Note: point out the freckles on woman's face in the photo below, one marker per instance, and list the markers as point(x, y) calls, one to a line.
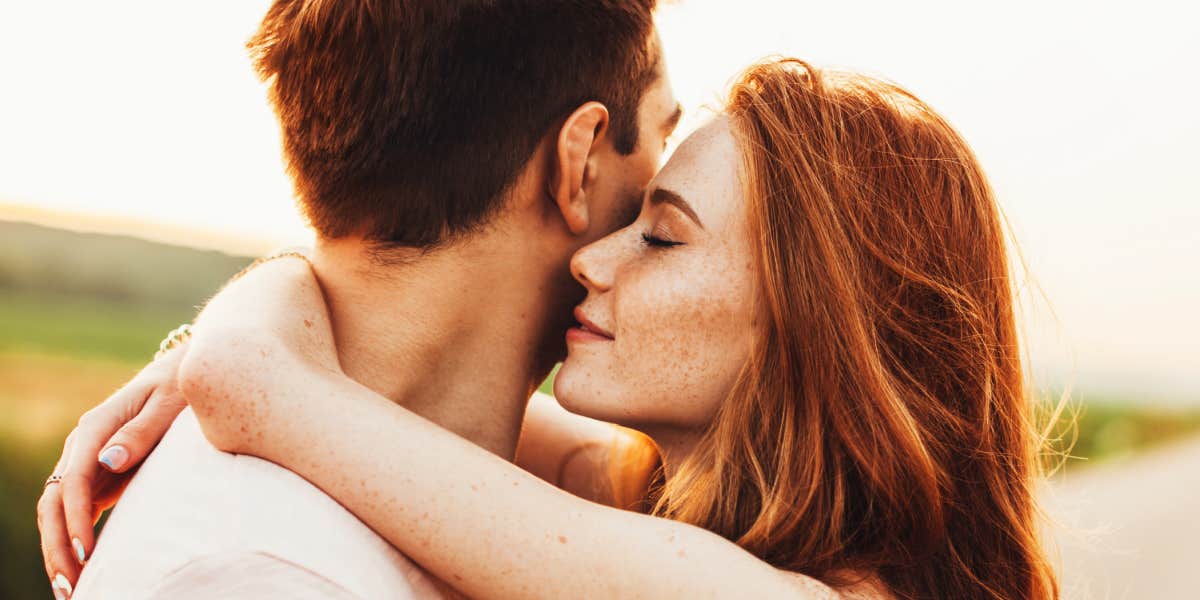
point(670, 314)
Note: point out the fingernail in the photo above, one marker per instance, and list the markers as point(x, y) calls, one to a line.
point(61, 583)
point(79, 553)
point(58, 594)
point(114, 457)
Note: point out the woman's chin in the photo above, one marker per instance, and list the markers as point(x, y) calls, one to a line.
point(576, 391)
point(566, 389)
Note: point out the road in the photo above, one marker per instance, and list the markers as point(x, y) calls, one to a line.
point(1129, 529)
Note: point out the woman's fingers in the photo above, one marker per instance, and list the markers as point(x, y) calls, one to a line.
point(79, 475)
point(142, 430)
point(131, 443)
point(76, 489)
point(56, 550)
point(62, 570)
point(68, 509)
point(79, 513)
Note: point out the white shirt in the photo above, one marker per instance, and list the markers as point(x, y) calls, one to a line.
point(199, 523)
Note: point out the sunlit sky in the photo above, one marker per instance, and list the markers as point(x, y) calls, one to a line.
point(1083, 113)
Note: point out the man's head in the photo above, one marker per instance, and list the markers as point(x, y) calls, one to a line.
point(405, 123)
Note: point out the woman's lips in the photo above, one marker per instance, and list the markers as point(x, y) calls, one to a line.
point(587, 330)
point(580, 334)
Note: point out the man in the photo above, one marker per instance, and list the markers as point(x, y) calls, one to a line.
point(451, 156)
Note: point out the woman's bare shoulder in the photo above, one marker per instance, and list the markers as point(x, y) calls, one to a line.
point(807, 587)
point(867, 588)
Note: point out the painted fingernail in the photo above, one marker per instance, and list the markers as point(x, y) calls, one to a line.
point(79, 553)
point(58, 594)
point(114, 457)
point(61, 583)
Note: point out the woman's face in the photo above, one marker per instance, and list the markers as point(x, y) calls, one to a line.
point(669, 317)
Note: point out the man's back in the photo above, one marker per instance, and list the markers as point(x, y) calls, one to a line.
point(200, 523)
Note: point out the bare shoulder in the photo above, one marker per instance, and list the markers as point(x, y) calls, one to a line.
point(868, 588)
point(807, 587)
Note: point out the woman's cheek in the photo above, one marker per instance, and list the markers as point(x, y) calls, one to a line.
point(685, 350)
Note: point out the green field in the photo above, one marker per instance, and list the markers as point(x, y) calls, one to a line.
point(81, 313)
point(1103, 428)
point(52, 368)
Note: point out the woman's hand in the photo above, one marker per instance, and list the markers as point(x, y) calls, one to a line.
point(99, 458)
point(277, 305)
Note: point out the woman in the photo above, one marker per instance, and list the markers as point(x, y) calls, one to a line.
point(811, 319)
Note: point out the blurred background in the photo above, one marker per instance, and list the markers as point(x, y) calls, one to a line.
point(140, 167)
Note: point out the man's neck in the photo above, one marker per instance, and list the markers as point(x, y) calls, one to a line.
point(456, 335)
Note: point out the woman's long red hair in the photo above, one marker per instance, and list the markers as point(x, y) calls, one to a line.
point(882, 424)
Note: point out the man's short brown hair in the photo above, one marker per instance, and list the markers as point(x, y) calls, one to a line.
point(406, 121)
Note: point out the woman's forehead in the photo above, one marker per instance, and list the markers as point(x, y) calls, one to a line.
point(704, 170)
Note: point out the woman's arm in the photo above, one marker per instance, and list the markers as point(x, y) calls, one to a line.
point(113, 438)
point(280, 303)
point(594, 460)
point(482, 524)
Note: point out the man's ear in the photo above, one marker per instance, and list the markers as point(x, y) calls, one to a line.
point(574, 166)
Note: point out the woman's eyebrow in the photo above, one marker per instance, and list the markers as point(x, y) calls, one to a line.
point(665, 196)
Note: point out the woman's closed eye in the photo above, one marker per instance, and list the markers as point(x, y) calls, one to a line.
point(654, 241)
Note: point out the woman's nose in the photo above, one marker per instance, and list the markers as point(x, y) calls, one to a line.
point(595, 264)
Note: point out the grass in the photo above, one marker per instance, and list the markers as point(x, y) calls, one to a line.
point(41, 397)
point(60, 354)
point(1107, 428)
point(79, 315)
point(547, 386)
point(84, 326)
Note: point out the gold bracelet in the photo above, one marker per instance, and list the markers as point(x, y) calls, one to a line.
point(178, 337)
